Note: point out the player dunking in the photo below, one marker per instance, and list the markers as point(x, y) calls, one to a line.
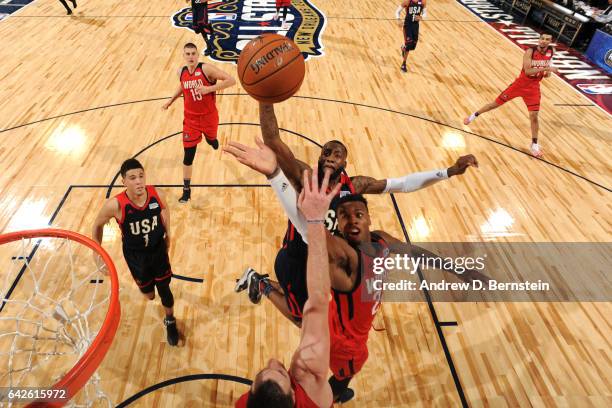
point(415, 12)
point(201, 25)
point(144, 219)
point(289, 294)
point(304, 385)
point(199, 83)
point(536, 65)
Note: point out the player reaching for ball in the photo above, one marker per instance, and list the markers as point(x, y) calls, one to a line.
point(304, 384)
point(199, 83)
point(415, 13)
point(289, 294)
point(536, 65)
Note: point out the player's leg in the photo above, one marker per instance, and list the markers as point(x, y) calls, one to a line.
point(257, 285)
point(535, 127)
point(188, 157)
point(405, 49)
point(285, 10)
point(74, 3)
point(340, 389)
point(207, 34)
point(210, 128)
point(68, 10)
point(159, 265)
point(531, 97)
point(509, 93)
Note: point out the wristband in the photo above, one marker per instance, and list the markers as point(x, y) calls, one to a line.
point(315, 221)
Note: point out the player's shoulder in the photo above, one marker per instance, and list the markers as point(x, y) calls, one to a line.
point(113, 204)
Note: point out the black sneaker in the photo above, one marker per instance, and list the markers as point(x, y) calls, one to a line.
point(172, 334)
point(345, 396)
point(252, 281)
point(186, 195)
point(403, 68)
point(213, 143)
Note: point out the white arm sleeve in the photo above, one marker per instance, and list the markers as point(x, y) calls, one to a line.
point(415, 181)
point(287, 196)
point(424, 13)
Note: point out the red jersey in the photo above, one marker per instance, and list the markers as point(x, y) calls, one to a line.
point(538, 60)
point(351, 313)
point(196, 104)
point(302, 400)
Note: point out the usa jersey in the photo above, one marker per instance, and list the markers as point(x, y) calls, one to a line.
point(415, 8)
point(142, 228)
point(293, 240)
point(538, 60)
point(351, 313)
point(196, 104)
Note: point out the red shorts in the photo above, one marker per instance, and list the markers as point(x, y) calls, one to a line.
point(194, 126)
point(283, 3)
point(345, 358)
point(529, 91)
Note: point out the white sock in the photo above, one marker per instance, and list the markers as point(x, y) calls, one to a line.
point(472, 117)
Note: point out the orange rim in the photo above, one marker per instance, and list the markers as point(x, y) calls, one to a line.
point(80, 373)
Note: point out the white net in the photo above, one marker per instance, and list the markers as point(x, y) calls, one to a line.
point(54, 298)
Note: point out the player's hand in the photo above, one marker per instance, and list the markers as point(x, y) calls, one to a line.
point(203, 90)
point(260, 158)
point(313, 201)
point(167, 105)
point(418, 18)
point(462, 164)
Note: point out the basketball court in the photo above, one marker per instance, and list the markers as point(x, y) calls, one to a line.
point(80, 94)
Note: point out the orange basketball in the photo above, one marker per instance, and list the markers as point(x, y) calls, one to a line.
point(271, 68)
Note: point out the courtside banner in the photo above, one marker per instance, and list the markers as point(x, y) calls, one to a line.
point(574, 68)
point(600, 50)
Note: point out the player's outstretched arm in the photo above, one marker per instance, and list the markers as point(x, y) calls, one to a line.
point(292, 167)
point(412, 182)
point(310, 363)
point(176, 95)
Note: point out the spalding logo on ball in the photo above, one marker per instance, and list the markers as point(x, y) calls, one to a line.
point(271, 68)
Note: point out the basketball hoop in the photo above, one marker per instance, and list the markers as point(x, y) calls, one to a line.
point(49, 318)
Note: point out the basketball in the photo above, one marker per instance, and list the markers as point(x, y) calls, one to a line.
point(271, 68)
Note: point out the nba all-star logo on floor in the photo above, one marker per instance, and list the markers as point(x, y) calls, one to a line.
point(236, 22)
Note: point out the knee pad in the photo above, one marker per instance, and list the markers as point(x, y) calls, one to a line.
point(189, 155)
point(163, 288)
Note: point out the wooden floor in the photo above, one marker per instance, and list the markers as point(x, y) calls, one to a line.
point(102, 74)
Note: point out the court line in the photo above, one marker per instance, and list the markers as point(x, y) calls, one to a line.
point(185, 378)
point(434, 315)
point(177, 133)
point(571, 172)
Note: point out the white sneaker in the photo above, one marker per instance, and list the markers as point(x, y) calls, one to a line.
point(536, 151)
point(469, 119)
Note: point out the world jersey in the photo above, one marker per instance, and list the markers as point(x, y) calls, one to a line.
point(351, 313)
point(196, 104)
point(415, 8)
point(293, 241)
point(538, 60)
point(142, 228)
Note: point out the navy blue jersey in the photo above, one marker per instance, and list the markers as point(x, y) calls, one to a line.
point(293, 241)
point(415, 8)
point(142, 228)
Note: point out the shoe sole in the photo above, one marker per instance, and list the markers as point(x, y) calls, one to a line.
point(243, 282)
